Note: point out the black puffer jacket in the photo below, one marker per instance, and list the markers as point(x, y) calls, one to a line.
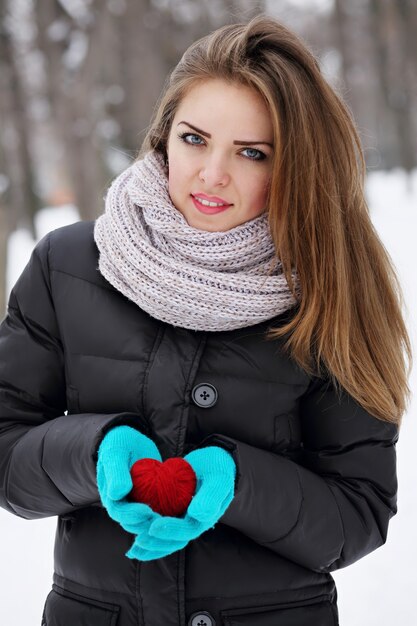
point(316, 476)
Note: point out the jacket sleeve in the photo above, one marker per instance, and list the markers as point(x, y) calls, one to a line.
point(47, 458)
point(328, 506)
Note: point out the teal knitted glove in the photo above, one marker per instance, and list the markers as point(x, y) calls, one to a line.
point(120, 448)
point(215, 470)
point(136, 518)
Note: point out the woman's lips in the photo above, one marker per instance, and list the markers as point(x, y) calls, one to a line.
point(209, 210)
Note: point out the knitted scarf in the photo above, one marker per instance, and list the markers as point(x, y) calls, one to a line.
point(179, 274)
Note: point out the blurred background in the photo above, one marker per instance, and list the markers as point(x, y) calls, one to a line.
point(79, 80)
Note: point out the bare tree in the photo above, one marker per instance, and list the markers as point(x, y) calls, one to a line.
point(17, 163)
point(72, 92)
point(342, 25)
point(404, 100)
point(388, 23)
point(18, 201)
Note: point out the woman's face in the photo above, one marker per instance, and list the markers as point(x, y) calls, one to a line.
point(220, 149)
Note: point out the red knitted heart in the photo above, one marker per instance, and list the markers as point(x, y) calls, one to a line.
point(167, 487)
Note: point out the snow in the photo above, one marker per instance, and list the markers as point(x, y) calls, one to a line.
point(377, 590)
point(21, 242)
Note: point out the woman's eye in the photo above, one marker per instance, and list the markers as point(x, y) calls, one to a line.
point(190, 136)
point(254, 155)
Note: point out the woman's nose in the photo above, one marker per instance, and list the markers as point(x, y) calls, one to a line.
point(214, 172)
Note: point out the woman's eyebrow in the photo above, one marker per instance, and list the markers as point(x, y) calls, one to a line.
point(237, 143)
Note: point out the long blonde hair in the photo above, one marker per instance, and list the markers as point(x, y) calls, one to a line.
point(348, 322)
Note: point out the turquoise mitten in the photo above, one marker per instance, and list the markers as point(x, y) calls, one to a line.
point(120, 448)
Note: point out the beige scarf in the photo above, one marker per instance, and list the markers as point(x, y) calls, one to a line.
point(195, 279)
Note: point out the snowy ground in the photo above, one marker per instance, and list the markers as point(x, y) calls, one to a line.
point(376, 591)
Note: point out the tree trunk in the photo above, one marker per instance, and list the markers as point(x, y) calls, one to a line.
point(72, 95)
point(21, 173)
point(392, 73)
point(343, 44)
point(403, 102)
point(143, 72)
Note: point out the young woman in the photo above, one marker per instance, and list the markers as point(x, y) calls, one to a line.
point(233, 307)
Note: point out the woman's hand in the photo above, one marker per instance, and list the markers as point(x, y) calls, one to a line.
point(120, 448)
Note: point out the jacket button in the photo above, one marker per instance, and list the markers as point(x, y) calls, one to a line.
point(204, 395)
point(201, 618)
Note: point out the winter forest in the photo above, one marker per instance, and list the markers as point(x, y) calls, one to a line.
point(79, 80)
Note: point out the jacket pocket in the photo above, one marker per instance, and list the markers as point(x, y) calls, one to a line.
point(63, 608)
point(317, 611)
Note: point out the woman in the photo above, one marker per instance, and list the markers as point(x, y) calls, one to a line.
point(233, 307)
